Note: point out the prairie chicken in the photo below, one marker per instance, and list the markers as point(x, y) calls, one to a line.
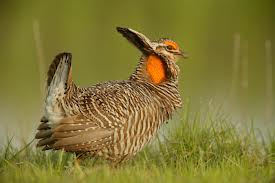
point(115, 119)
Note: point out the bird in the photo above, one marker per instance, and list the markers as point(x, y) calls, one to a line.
point(112, 120)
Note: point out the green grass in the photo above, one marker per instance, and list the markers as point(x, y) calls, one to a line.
point(208, 149)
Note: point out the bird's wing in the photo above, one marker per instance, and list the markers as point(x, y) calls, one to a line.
point(79, 133)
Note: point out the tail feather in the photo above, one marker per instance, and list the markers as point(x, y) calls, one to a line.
point(59, 82)
point(44, 135)
point(43, 126)
point(59, 63)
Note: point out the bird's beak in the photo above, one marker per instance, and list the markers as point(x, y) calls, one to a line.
point(182, 54)
point(138, 39)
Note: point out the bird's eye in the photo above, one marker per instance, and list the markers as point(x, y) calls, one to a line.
point(169, 47)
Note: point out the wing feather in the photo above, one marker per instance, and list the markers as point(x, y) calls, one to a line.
point(78, 133)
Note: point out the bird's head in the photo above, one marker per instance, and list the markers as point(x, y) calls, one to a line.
point(161, 55)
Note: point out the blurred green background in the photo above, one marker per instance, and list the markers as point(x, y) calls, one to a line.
point(212, 32)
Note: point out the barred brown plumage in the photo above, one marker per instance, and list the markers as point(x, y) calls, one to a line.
point(115, 119)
